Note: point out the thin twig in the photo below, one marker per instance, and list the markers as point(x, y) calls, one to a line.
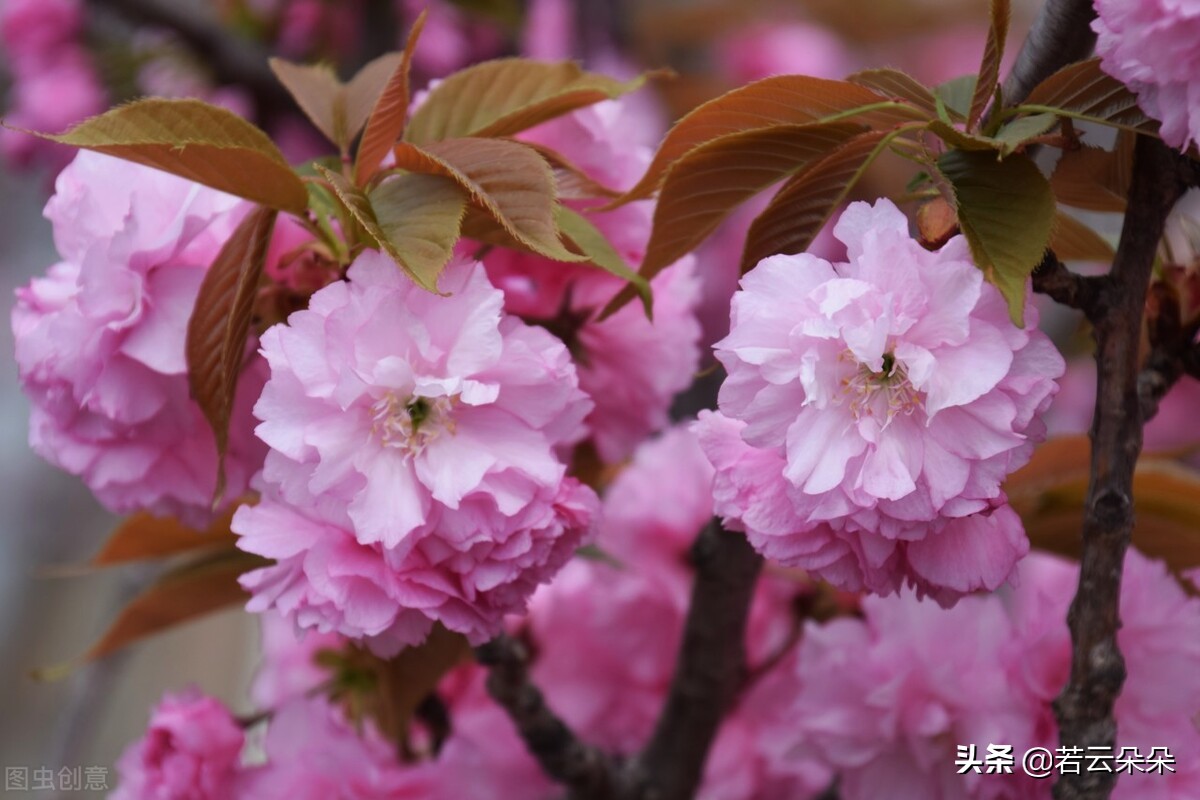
point(585, 770)
point(1085, 706)
point(1052, 278)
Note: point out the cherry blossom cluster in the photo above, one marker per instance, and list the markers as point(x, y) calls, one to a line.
point(872, 409)
point(877, 701)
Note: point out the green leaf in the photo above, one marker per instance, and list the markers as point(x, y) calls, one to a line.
point(185, 593)
point(1018, 132)
point(989, 69)
point(197, 141)
point(1071, 240)
point(386, 122)
point(781, 100)
point(1084, 91)
point(219, 326)
point(922, 178)
point(955, 138)
point(507, 96)
point(508, 180)
point(358, 205)
point(1006, 211)
point(600, 252)
point(899, 86)
point(956, 94)
point(801, 208)
point(712, 179)
point(420, 217)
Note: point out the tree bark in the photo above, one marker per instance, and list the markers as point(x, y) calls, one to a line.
point(1085, 707)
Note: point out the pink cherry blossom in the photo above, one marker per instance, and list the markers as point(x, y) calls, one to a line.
point(608, 634)
point(1150, 45)
point(100, 340)
point(315, 753)
point(872, 409)
point(886, 699)
point(191, 751)
point(413, 462)
point(289, 667)
point(630, 366)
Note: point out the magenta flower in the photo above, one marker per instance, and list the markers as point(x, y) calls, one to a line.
point(1151, 46)
point(100, 340)
point(413, 474)
point(872, 409)
point(191, 751)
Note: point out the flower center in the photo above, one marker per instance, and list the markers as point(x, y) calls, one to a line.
point(881, 395)
point(410, 423)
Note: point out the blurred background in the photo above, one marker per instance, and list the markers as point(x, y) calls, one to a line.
point(64, 60)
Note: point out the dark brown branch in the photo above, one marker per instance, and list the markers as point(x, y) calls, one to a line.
point(585, 770)
point(710, 671)
point(1085, 707)
point(1061, 34)
point(1052, 278)
point(232, 59)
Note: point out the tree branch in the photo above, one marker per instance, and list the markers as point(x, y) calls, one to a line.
point(710, 670)
point(1085, 707)
point(1052, 278)
point(1060, 35)
point(585, 770)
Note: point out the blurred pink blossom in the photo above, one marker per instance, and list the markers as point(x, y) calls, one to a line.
point(1150, 45)
point(886, 699)
point(783, 48)
point(191, 751)
point(288, 668)
point(100, 340)
point(314, 753)
point(1172, 428)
